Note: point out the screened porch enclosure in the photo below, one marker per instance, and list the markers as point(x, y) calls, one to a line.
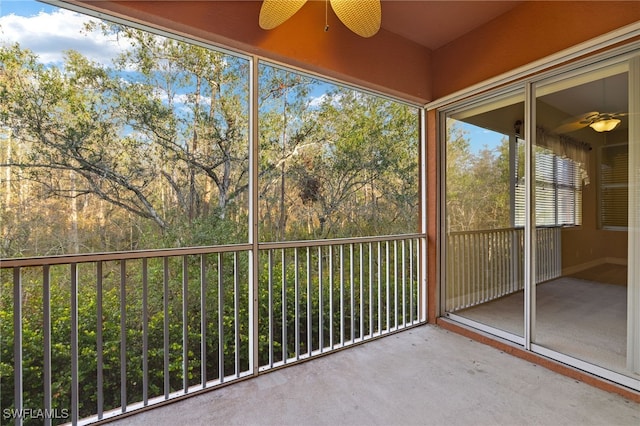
point(176, 217)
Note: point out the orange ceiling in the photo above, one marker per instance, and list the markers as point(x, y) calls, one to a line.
point(436, 23)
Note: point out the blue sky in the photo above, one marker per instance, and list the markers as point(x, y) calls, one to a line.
point(23, 7)
point(481, 138)
point(47, 30)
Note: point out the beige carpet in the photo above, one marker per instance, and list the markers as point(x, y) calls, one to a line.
point(583, 319)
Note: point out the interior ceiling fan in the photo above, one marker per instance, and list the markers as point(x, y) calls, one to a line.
point(363, 17)
point(598, 121)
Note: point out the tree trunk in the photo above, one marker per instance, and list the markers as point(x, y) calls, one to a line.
point(74, 243)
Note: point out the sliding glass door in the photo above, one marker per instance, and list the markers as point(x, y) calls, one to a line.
point(541, 219)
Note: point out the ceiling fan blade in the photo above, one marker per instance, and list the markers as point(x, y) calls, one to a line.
point(570, 127)
point(363, 17)
point(275, 12)
point(578, 122)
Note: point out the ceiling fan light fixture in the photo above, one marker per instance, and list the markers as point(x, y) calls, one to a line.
point(606, 125)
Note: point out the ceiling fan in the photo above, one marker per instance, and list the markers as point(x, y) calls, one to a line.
point(598, 121)
point(363, 17)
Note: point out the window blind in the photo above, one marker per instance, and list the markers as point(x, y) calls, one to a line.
point(614, 186)
point(558, 189)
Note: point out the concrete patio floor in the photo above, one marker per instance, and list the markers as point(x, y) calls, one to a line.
point(423, 376)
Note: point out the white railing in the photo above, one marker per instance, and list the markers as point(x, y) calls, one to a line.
point(487, 264)
point(122, 331)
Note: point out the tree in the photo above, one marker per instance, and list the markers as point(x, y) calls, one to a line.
point(477, 184)
point(162, 135)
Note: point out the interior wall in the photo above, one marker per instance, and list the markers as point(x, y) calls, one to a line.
point(373, 63)
point(588, 245)
point(529, 32)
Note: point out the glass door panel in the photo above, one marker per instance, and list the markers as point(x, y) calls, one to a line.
point(484, 239)
point(580, 164)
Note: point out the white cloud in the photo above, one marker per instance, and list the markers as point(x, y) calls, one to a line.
point(49, 35)
point(318, 100)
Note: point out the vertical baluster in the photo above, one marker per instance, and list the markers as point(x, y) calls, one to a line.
point(450, 288)
point(473, 268)
point(17, 342)
point(165, 324)
point(558, 251)
point(410, 278)
point(460, 271)
point(487, 269)
point(74, 345)
point(547, 254)
point(379, 287)
point(464, 253)
point(236, 310)
point(539, 254)
point(403, 279)
point(296, 308)
point(497, 235)
point(361, 264)
point(512, 262)
point(471, 262)
point(371, 278)
point(508, 250)
point(331, 296)
point(185, 324)
point(539, 258)
point(46, 325)
point(123, 335)
point(309, 316)
point(285, 344)
point(341, 295)
point(99, 341)
point(482, 267)
point(270, 302)
point(421, 277)
point(504, 261)
point(477, 248)
point(203, 320)
point(352, 293)
point(145, 333)
point(387, 287)
point(320, 302)
point(496, 246)
point(396, 293)
point(221, 300)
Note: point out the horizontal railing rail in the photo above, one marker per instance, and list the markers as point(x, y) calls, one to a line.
point(94, 336)
point(483, 265)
